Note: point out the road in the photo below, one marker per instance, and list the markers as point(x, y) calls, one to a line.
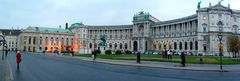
point(39, 67)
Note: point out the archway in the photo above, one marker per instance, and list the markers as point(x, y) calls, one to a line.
point(126, 46)
point(170, 45)
point(120, 46)
point(115, 46)
point(90, 45)
point(175, 45)
point(191, 45)
point(185, 45)
point(110, 45)
point(135, 46)
point(180, 45)
point(165, 45)
point(160, 46)
point(146, 45)
point(196, 45)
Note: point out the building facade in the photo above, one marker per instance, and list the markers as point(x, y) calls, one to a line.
point(45, 39)
point(11, 37)
point(197, 33)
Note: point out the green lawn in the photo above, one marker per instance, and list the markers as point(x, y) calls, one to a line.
point(176, 59)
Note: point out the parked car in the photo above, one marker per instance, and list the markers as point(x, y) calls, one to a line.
point(156, 53)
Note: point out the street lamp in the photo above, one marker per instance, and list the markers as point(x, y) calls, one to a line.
point(220, 36)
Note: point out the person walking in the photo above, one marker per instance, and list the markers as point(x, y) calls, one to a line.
point(139, 57)
point(19, 59)
point(183, 59)
point(168, 54)
point(6, 52)
point(94, 55)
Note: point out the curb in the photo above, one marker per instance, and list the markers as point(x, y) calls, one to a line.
point(142, 65)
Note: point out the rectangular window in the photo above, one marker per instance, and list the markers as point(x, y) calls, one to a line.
point(235, 19)
point(29, 40)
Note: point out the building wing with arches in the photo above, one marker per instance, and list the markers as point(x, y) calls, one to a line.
point(196, 33)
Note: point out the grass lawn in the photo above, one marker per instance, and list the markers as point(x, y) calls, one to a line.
point(176, 59)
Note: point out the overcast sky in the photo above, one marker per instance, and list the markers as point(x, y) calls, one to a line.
point(52, 13)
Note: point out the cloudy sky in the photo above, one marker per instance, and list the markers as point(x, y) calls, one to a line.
point(52, 13)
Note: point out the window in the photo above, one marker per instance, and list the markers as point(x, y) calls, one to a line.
point(220, 16)
point(29, 40)
point(40, 40)
point(196, 45)
point(186, 46)
point(204, 27)
point(180, 45)
point(40, 48)
point(25, 37)
point(235, 19)
point(126, 46)
point(34, 40)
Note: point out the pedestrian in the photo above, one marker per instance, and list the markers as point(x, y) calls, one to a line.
point(165, 54)
point(94, 55)
point(139, 57)
point(183, 59)
point(6, 52)
point(171, 54)
point(168, 54)
point(19, 59)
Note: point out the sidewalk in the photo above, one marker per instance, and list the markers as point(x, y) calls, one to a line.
point(5, 70)
point(165, 65)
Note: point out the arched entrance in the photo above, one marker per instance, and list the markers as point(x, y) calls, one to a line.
point(135, 46)
point(180, 45)
point(191, 45)
point(146, 46)
point(175, 45)
point(165, 45)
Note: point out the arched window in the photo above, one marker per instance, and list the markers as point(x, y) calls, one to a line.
point(175, 45)
point(180, 45)
point(185, 45)
point(115, 46)
point(160, 46)
point(196, 45)
point(204, 27)
point(191, 45)
point(90, 45)
point(126, 46)
point(120, 46)
point(95, 45)
point(110, 45)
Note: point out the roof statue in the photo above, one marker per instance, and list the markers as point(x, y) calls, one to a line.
point(199, 5)
point(220, 2)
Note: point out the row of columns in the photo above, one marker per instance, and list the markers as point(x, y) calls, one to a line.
point(181, 28)
point(125, 33)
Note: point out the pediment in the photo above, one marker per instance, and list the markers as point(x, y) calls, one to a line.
point(219, 7)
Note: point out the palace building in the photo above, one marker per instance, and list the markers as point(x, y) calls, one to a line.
point(197, 33)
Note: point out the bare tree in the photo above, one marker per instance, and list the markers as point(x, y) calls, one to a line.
point(233, 45)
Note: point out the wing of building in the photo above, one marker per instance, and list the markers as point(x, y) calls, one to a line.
point(197, 33)
point(11, 37)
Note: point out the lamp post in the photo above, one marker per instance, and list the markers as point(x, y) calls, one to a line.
point(220, 36)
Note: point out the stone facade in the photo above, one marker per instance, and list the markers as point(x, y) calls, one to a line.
point(195, 33)
point(11, 37)
point(40, 39)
